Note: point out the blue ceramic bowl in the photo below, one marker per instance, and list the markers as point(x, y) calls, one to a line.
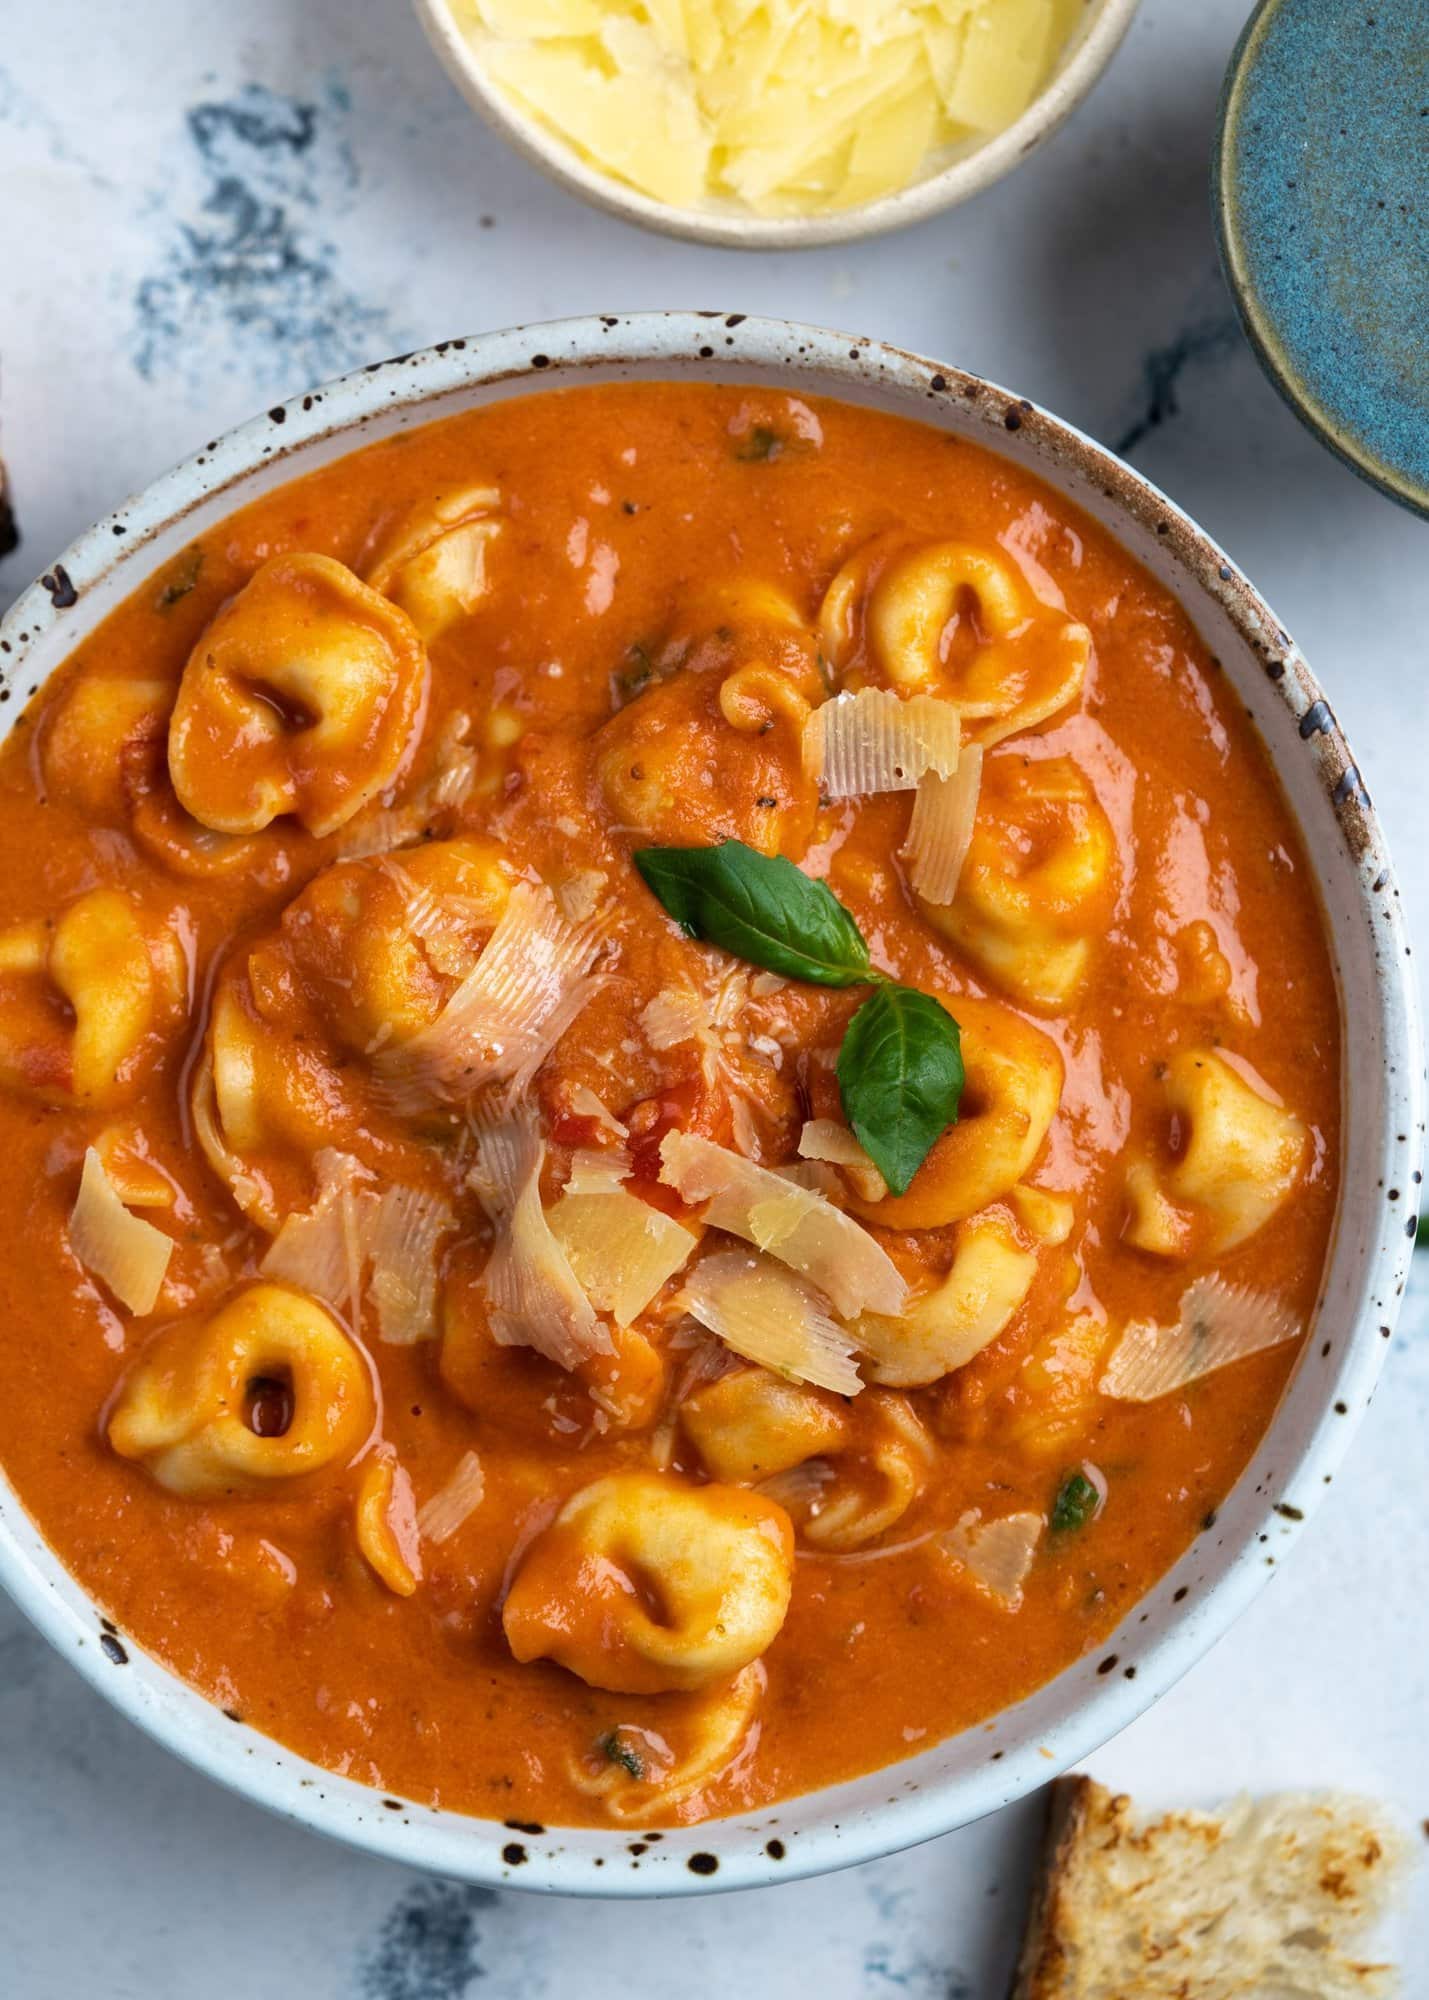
point(1322, 205)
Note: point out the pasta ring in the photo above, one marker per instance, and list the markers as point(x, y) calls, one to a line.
point(305, 695)
point(189, 1408)
point(433, 564)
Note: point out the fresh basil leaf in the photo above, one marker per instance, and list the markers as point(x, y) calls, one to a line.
point(1077, 1502)
point(901, 1076)
point(761, 908)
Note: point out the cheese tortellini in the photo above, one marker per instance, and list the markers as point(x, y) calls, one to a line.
point(1038, 881)
point(85, 999)
point(956, 619)
point(266, 1389)
point(752, 1424)
point(433, 563)
point(1012, 1087)
point(643, 1584)
point(985, 1286)
point(382, 941)
point(1231, 1157)
point(710, 749)
point(304, 696)
point(103, 727)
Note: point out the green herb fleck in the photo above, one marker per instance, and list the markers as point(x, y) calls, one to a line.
point(759, 445)
point(760, 907)
point(1078, 1501)
point(183, 574)
point(900, 1076)
point(615, 1751)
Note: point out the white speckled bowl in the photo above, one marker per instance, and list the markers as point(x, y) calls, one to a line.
point(1191, 1606)
point(1090, 49)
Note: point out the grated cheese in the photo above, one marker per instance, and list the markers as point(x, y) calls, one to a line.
point(782, 107)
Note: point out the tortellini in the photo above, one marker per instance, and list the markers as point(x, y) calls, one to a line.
point(1012, 1087)
point(752, 1424)
point(266, 1389)
point(83, 1000)
point(1037, 884)
point(433, 563)
point(643, 1584)
point(104, 725)
point(382, 941)
point(712, 751)
point(985, 1286)
point(1231, 1157)
point(304, 696)
point(1052, 1404)
point(957, 619)
point(877, 1480)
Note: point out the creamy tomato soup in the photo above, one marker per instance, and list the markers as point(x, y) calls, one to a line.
point(669, 1105)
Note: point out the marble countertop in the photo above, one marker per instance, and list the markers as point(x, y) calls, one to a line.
point(205, 208)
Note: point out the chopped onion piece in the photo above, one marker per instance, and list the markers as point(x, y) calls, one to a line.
point(406, 1228)
point(129, 1254)
point(796, 1225)
point(534, 1296)
point(941, 829)
point(768, 1315)
point(996, 1554)
point(876, 741)
point(452, 1505)
point(506, 1015)
point(825, 1139)
point(598, 1170)
point(1219, 1323)
point(621, 1249)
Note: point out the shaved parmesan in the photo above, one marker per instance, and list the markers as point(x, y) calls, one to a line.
point(941, 829)
point(769, 1316)
point(621, 1249)
point(794, 1224)
point(442, 922)
point(452, 1505)
point(129, 1254)
point(996, 1554)
point(579, 895)
point(535, 1298)
point(876, 741)
point(505, 1016)
point(451, 783)
point(1219, 1323)
point(800, 1489)
point(406, 1228)
point(321, 1250)
point(385, 1523)
point(586, 1104)
point(598, 1170)
point(676, 1014)
point(825, 1139)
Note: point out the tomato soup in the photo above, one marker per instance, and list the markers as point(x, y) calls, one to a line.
point(669, 1090)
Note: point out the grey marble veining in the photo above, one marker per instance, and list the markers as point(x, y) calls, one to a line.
point(204, 209)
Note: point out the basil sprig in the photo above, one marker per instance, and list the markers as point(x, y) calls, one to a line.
point(900, 1068)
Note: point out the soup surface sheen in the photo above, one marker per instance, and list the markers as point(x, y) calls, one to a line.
point(412, 1446)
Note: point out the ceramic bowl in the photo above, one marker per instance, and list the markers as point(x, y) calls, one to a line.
point(1189, 1608)
point(1090, 49)
point(1321, 184)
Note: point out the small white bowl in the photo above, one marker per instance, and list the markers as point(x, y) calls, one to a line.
point(1087, 54)
point(1185, 1611)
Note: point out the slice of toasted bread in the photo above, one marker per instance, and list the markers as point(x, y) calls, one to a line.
point(1264, 1901)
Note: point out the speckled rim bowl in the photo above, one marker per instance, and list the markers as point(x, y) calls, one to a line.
point(1091, 48)
point(1192, 1605)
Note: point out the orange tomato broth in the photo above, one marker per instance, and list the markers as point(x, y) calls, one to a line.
point(622, 505)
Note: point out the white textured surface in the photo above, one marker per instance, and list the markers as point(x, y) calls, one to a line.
point(202, 209)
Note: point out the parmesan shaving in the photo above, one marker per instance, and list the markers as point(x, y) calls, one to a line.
point(621, 1249)
point(579, 895)
point(770, 1316)
point(941, 829)
point(876, 741)
point(321, 1250)
point(586, 1104)
point(598, 1170)
point(505, 1016)
point(451, 783)
point(535, 1298)
point(452, 1505)
point(801, 1488)
point(1219, 1323)
point(794, 1224)
point(676, 1014)
point(825, 1139)
point(996, 1554)
point(406, 1228)
point(129, 1254)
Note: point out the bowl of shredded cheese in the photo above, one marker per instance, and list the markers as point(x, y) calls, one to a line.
point(770, 124)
